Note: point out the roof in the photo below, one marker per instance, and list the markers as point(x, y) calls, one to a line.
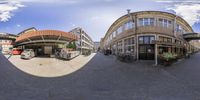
point(29, 29)
point(40, 33)
point(7, 36)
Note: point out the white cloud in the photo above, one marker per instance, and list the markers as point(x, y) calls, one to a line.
point(18, 25)
point(8, 6)
point(52, 1)
point(191, 12)
point(188, 9)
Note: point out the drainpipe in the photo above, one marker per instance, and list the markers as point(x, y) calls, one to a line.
point(134, 30)
point(175, 25)
point(156, 52)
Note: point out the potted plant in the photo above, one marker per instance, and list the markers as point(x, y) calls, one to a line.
point(168, 58)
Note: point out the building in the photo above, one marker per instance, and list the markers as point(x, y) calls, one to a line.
point(148, 34)
point(44, 42)
point(101, 44)
point(6, 42)
point(96, 46)
point(85, 43)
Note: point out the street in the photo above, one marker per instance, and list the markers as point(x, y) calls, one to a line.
point(105, 78)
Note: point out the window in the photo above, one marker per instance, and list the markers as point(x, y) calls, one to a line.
point(141, 21)
point(128, 25)
point(152, 38)
point(169, 40)
point(161, 38)
point(146, 22)
point(110, 37)
point(179, 28)
point(114, 34)
point(119, 46)
point(129, 45)
point(165, 39)
point(133, 41)
point(140, 40)
point(165, 23)
point(160, 22)
point(146, 39)
point(151, 21)
point(119, 30)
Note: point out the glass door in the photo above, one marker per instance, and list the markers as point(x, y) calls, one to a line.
point(146, 48)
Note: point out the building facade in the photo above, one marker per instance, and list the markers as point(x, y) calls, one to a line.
point(6, 42)
point(148, 34)
point(85, 43)
point(96, 46)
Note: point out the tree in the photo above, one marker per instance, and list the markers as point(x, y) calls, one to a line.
point(72, 45)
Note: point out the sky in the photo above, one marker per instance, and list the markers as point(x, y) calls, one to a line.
point(94, 16)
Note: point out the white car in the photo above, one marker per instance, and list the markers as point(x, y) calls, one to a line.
point(28, 54)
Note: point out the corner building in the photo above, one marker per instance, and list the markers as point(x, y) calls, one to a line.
point(148, 34)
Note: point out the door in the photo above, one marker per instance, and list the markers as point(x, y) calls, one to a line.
point(146, 52)
point(146, 47)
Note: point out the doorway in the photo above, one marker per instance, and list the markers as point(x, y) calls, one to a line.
point(146, 48)
point(146, 52)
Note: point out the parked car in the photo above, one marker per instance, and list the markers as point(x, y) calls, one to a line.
point(16, 51)
point(28, 54)
point(107, 52)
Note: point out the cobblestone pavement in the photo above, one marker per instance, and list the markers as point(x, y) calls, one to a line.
point(105, 78)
